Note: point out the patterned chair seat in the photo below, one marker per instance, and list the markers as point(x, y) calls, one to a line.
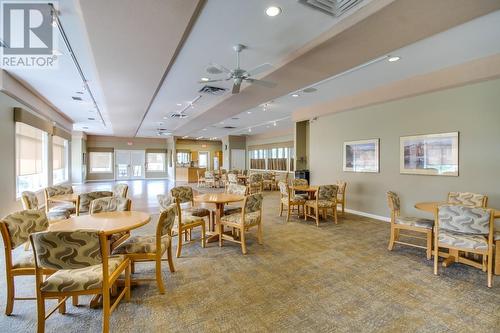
point(455, 239)
point(321, 203)
point(250, 218)
point(56, 214)
point(415, 222)
point(297, 199)
point(197, 211)
point(26, 260)
point(230, 209)
point(70, 208)
point(189, 219)
point(79, 279)
point(141, 244)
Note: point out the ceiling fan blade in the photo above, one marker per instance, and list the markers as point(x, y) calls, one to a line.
point(217, 69)
point(262, 83)
point(236, 86)
point(260, 69)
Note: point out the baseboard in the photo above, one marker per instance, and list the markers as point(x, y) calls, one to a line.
point(372, 216)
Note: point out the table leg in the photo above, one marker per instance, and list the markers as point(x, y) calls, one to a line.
point(219, 208)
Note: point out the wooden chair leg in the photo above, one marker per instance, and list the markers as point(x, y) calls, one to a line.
point(281, 209)
point(9, 307)
point(391, 240)
point(170, 259)
point(288, 212)
point(203, 235)
point(316, 211)
point(159, 279)
point(243, 243)
point(436, 255)
point(259, 233)
point(132, 267)
point(127, 282)
point(429, 245)
point(497, 257)
point(221, 231)
point(179, 244)
point(106, 311)
point(490, 268)
point(62, 307)
point(343, 208)
point(74, 300)
point(40, 307)
point(306, 213)
point(335, 215)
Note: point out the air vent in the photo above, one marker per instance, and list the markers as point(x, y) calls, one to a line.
point(229, 127)
point(235, 118)
point(331, 7)
point(178, 115)
point(211, 90)
point(310, 90)
point(76, 98)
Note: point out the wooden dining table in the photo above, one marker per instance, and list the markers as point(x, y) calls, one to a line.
point(453, 255)
point(310, 189)
point(219, 200)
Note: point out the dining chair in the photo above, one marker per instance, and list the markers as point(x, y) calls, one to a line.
point(185, 223)
point(250, 216)
point(112, 204)
point(288, 200)
point(210, 179)
point(201, 177)
point(465, 228)
point(30, 201)
point(409, 223)
point(82, 267)
point(185, 197)
point(268, 180)
point(238, 190)
point(16, 229)
point(255, 183)
point(468, 199)
point(300, 182)
point(497, 248)
point(341, 195)
point(51, 191)
point(83, 201)
point(232, 178)
point(326, 198)
point(120, 190)
point(152, 247)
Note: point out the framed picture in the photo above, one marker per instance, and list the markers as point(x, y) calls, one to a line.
point(431, 154)
point(361, 156)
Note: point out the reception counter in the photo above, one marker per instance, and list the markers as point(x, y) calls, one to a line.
point(187, 174)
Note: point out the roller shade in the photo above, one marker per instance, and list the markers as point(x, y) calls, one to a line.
point(58, 153)
point(287, 144)
point(29, 150)
point(28, 118)
point(61, 133)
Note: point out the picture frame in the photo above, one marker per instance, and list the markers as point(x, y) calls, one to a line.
point(361, 156)
point(430, 154)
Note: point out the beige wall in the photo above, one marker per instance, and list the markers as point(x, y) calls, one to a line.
point(473, 110)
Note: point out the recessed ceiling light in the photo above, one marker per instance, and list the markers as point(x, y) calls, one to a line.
point(204, 129)
point(222, 123)
point(393, 58)
point(273, 11)
point(179, 104)
point(165, 117)
point(250, 130)
point(295, 95)
point(249, 112)
point(205, 79)
point(274, 124)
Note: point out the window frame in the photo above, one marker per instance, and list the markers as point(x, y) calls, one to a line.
point(164, 169)
point(111, 171)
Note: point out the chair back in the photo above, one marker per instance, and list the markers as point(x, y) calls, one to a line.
point(232, 178)
point(282, 177)
point(58, 190)
point(253, 203)
point(120, 190)
point(284, 189)
point(327, 192)
point(236, 189)
point(342, 186)
point(267, 176)
point(17, 227)
point(182, 194)
point(166, 221)
point(200, 174)
point(85, 199)
point(393, 202)
point(223, 171)
point(66, 249)
point(29, 200)
point(464, 219)
point(209, 174)
point(468, 199)
point(245, 172)
point(164, 201)
point(255, 178)
point(300, 182)
point(110, 204)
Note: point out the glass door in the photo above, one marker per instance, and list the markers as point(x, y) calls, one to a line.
point(137, 164)
point(130, 164)
point(122, 166)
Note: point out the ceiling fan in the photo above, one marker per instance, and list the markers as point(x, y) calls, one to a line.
point(238, 75)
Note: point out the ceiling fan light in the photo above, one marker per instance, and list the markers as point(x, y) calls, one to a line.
point(273, 11)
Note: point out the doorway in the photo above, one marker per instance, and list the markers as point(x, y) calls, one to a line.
point(130, 164)
point(204, 160)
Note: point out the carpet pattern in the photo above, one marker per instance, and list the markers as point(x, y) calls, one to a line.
point(335, 278)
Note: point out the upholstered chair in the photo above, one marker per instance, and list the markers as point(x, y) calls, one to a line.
point(281, 177)
point(288, 200)
point(250, 216)
point(58, 190)
point(210, 179)
point(165, 200)
point(184, 196)
point(152, 247)
point(268, 180)
point(341, 195)
point(300, 182)
point(185, 223)
point(234, 189)
point(30, 201)
point(467, 229)
point(16, 229)
point(84, 200)
point(468, 199)
point(82, 266)
point(201, 177)
point(120, 190)
point(232, 178)
point(223, 179)
point(255, 183)
point(407, 223)
point(112, 204)
point(326, 198)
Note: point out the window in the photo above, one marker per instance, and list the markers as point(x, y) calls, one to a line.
point(183, 157)
point(292, 156)
point(258, 159)
point(155, 162)
point(100, 162)
point(59, 160)
point(273, 159)
point(31, 158)
point(277, 159)
point(203, 160)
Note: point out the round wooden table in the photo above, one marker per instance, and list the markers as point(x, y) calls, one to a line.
point(219, 200)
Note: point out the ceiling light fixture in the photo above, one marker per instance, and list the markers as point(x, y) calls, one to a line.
point(274, 124)
point(205, 79)
point(204, 129)
point(250, 130)
point(179, 104)
point(249, 112)
point(295, 95)
point(273, 11)
point(393, 58)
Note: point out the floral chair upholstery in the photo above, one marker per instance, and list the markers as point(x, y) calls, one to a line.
point(268, 180)
point(164, 201)
point(58, 190)
point(250, 216)
point(468, 199)
point(30, 201)
point(465, 228)
point(21, 224)
point(300, 182)
point(341, 195)
point(112, 204)
point(289, 200)
point(395, 206)
point(234, 189)
point(210, 179)
point(255, 183)
point(232, 178)
point(184, 195)
point(326, 198)
point(79, 259)
point(85, 199)
point(120, 190)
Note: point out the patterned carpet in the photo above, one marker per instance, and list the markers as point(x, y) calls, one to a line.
point(336, 278)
